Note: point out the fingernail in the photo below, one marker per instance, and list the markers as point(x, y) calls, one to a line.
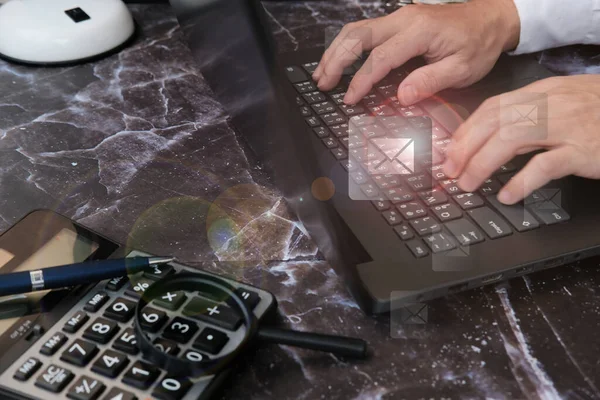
point(450, 168)
point(409, 95)
point(505, 197)
point(467, 182)
point(316, 75)
point(349, 97)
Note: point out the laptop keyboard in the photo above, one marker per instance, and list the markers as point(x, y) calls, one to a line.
point(426, 209)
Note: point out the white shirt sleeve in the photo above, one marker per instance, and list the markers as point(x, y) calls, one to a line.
point(554, 23)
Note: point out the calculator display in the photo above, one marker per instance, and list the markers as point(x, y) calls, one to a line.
point(66, 247)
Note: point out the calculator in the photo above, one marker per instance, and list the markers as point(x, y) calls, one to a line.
point(80, 343)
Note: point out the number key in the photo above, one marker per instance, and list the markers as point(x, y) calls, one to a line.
point(153, 319)
point(127, 342)
point(110, 364)
point(79, 353)
point(425, 226)
point(180, 330)
point(141, 375)
point(412, 209)
point(101, 330)
point(166, 346)
point(172, 388)
point(120, 310)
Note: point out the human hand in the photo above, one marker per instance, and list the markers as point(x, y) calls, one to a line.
point(461, 43)
point(568, 131)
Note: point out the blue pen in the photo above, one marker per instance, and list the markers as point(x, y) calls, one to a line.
point(74, 274)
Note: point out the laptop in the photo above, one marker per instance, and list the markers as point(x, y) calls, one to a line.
point(366, 181)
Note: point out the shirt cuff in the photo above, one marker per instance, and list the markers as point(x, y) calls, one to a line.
point(554, 23)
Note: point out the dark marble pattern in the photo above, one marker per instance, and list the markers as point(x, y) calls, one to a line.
point(135, 147)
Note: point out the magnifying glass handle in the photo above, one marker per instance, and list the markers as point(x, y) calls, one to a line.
point(339, 345)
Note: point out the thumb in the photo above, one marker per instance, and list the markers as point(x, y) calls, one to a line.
point(430, 79)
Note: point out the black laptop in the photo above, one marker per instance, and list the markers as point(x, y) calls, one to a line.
point(366, 181)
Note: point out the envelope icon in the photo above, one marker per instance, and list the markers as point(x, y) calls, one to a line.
point(397, 151)
point(525, 114)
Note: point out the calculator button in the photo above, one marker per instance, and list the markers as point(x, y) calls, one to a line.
point(127, 342)
point(120, 310)
point(166, 346)
point(194, 356)
point(86, 388)
point(211, 340)
point(211, 312)
point(101, 330)
point(159, 271)
point(54, 378)
point(96, 302)
point(79, 353)
point(110, 364)
point(249, 297)
point(116, 283)
point(136, 288)
point(141, 375)
point(53, 344)
point(119, 394)
point(28, 368)
point(76, 322)
point(180, 330)
point(171, 300)
point(171, 388)
point(153, 319)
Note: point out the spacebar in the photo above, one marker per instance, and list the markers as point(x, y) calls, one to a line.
point(443, 114)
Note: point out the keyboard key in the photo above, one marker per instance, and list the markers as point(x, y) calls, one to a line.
point(53, 344)
point(359, 177)
point(451, 187)
point(54, 378)
point(382, 110)
point(314, 97)
point(508, 167)
point(310, 67)
point(171, 300)
point(447, 212)
point(338, 98)
point(86, 388)
point(157, 272)
point(211, 312)
point(425, 226)
point(324, 107)
point(119, 394)
point(127, 342)
point(352, 110)
point(141, 375)
point(116, 283)
point(304, 87)
point(440, 242)
point(491, 223)
point(412, 209)
point(79, 353)
point(96, 302)
point(299, 101)
point(373, 131)
point(549, 213)
point(467, 201)
point(372, 99)
point(249, 297)
point(211, 341)
point(120, 310)
point(339, 153)
point(349, 165)
point(433, 197)
point(27, 369)
point(137, 287)
point(411, 111)
point(172, 388)
point(359, 121)
point(392, 217)
point(295, 74)
point(305, 111)
point(392, 122)
point(330, 143)
point(166, 346)
point(422, 123)
point(76, 322)
point(321, 132)
point(110, 364)
point(313, 121)
point(516, 214)
point(490, 186)
point(398, 195)
point(369, 189)
point(464, 231)
point(417, 248)
point(153, 319)
point(333, 118)
point(437, 172)
point(194, 356)
point(101, 330)
point(404, 232)
point(534, 197)
point(180, 329)
point(341, 130)
point(504, 178)
point(381, 205)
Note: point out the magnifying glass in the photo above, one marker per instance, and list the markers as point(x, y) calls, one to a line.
point(214, 287)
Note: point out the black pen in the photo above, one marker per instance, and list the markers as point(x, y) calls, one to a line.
point(74, 274)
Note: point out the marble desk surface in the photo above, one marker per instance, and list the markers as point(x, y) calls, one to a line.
point(135, 147)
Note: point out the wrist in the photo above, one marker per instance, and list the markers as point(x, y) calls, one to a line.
point(511, 24)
